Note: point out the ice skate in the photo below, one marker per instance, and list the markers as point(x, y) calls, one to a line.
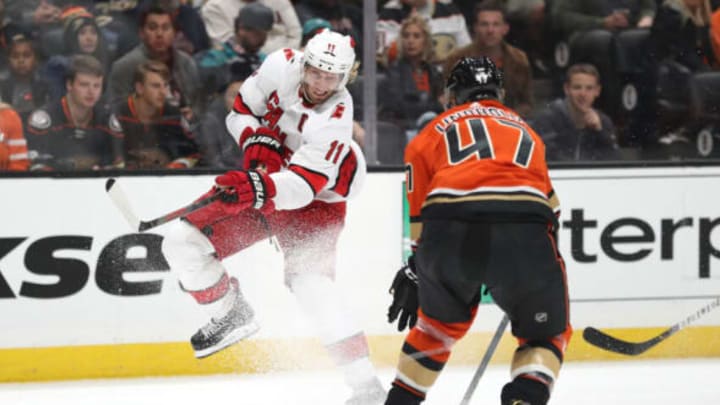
point(523, 391)
point(372, 393)
point(238, 324)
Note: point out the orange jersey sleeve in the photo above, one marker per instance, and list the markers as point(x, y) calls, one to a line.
point(478, 159)
point(13, 147)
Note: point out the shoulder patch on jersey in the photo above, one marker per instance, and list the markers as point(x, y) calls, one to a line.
point(339, 110)
point(289, 53)
point(114, 123)
point(40, 119)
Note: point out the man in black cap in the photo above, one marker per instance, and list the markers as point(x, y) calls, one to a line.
point(240, 55)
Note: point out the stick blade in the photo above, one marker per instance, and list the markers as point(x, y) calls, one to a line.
point(606, 342)
point(119, 199)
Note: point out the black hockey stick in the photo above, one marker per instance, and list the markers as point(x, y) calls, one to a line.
point(119, 198)
point(485, 360)
point(604, 341)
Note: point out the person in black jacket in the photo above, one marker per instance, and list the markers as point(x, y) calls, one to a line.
point(572, 129)
point(75, 132)
point(24, 88)
point(157, 135)
point(413, 84)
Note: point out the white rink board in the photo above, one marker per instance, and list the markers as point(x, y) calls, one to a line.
point(370, 252)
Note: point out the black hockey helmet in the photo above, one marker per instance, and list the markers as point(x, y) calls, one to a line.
point(474, 79)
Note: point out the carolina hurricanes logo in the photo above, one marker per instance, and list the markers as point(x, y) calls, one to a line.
point(330, 49)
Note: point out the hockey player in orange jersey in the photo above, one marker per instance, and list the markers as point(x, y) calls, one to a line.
point(13, 147)
point(482, 211)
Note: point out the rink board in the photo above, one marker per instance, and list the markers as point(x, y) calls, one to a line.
point(82, 296)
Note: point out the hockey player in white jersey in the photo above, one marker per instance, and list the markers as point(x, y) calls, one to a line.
point(293, 120)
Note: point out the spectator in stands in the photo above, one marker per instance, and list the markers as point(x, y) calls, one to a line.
point(413, 85)
point(24, 89)
point(82, 35)
point(681, 34)
point(119, 22)
point(312, 27)
point(490, 29)
point(76, 132)
point(157, 33)
point(33, 16)
point(157, 135)
point(576, 16)
point(219, 16)
point(13, 147)
point(571, 128)
point(447, 25)
point(715, 34)
point(679, 46)
point(7, 31)
point(192, 35)
point(240, 55)
point(217, 146)
point(531, 31)
point(344, 17)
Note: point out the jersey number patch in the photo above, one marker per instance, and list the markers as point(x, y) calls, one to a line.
point(480, 144)
point(333, 154)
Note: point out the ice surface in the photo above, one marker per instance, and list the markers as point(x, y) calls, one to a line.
point(627, 382)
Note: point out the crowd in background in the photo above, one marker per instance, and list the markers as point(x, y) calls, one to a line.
point(146, 84)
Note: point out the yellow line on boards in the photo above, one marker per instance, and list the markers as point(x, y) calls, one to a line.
point(261, 356)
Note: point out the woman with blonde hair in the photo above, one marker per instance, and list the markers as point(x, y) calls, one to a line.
point(414, 84)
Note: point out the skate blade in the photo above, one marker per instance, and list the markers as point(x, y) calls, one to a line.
point(237, 335)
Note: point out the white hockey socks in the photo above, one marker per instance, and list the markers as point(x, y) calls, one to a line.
point(320, 300)
point(190, 255)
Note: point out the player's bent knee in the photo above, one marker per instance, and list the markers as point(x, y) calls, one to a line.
point(188, 251)
point(183, 240)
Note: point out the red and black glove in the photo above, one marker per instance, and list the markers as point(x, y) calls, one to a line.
point(245, 189)
point(262, 147)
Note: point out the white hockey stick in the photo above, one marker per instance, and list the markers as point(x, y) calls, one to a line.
point(119, 198)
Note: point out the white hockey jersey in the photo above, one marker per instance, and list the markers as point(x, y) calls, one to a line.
point(322, 160)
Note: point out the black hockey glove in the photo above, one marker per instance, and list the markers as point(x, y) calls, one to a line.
point(404, 289)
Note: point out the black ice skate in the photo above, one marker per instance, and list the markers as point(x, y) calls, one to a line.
point(238, 324)
point(523, 391)
point(371, 394)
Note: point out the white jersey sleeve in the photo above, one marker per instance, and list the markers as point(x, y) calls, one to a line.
point(251, 101)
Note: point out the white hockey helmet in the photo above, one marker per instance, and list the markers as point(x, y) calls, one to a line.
point(331, 52)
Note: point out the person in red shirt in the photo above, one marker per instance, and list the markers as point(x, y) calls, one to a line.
point(13, 147)
point(479, 193)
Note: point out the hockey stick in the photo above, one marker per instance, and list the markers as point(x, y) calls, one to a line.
point(119, 198)
point(485, 360)
point(604, 341)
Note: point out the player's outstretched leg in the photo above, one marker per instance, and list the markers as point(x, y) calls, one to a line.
point(345, 342)
point(191, 255)
point(423, 356)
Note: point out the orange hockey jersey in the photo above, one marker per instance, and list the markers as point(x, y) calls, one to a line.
point(13, 148)
point(479, 161)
